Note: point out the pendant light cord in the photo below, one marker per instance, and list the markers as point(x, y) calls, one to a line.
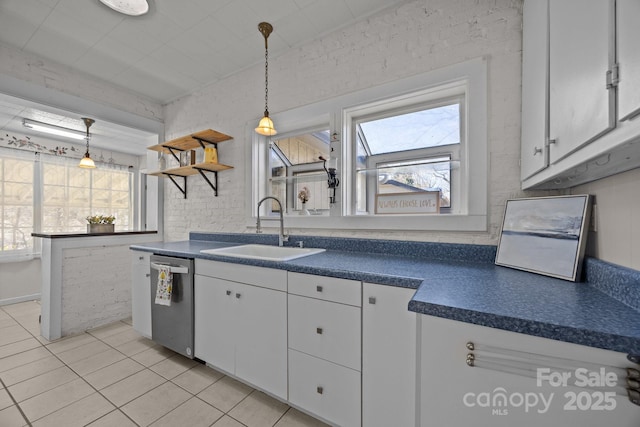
point(266, 78)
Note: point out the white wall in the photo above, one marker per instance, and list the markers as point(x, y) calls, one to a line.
point(19, 280)
point(617, 235)
point(413, 38)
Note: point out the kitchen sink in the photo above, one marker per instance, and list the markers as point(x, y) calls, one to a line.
point(264, 252)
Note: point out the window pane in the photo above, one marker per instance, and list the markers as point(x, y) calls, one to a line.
point(294, 165)
point(407, 152)
point(305, 148)
point(422, 129)
point(418, 175)
point(16, 204)
point(71, 194)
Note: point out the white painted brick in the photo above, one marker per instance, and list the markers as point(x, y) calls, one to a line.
point(413, 38)
point(96, 287)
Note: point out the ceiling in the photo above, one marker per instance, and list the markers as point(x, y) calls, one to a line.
point(175, 49)
point(104, 135)
point(179, 46)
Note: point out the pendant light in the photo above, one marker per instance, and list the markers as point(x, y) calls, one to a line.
point(87, 162)
point(265, 127)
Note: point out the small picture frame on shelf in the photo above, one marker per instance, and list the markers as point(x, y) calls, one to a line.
point(545, 235)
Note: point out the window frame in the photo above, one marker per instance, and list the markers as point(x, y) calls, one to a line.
point(469, 76)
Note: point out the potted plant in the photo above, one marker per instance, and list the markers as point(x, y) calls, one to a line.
point(100, 224)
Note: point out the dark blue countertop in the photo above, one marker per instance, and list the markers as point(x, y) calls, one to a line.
point(459, 282)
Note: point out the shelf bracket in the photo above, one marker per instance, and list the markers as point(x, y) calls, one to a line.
point(183, 189)
point(171, 150)
point(202, 141)
point(215, 175)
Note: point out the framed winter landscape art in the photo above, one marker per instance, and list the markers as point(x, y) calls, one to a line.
point(545, 235)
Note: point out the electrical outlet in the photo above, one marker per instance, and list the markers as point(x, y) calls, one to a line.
point(593, 225)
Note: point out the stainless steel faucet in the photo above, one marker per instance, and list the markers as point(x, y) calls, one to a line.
point(281, 237)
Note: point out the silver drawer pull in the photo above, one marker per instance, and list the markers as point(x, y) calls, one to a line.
point(319, 331)
point(228, 292)
point(141, 258)
point(372, 300)
point(319, 389)
point(148, 275)
point(319, 288)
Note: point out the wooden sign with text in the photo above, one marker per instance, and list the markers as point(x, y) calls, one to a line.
point(421, 202)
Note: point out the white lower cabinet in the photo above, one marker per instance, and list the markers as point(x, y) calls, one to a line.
point(325, 389)
point(517, 380)
point(241, 328)
point(141, 292)
point(388, 357)
point(325, 332)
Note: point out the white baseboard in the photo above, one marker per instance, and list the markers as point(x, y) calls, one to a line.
point(19, 299)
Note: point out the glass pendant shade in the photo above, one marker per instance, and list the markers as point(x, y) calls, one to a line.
point(265, 127)
point(128, 7)
point(87, 162)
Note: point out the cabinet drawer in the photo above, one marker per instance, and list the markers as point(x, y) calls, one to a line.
point(252, 275)
point(325, 389)
point(325, 329)
point(326, 288)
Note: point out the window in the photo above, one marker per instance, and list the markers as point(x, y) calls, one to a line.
point(70, 194)
point(295, 166)
point(406, 152)
point(425, 133)
point(16, 204)
point(52, 195)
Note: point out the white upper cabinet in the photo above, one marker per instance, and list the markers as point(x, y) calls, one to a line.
point(628, 35)
point(580, 91)
point(581, 105)
point(535, 87)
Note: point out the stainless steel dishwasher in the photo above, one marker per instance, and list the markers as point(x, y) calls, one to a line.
point(172, 325)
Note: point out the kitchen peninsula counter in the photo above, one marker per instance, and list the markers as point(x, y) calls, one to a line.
point(86, 279)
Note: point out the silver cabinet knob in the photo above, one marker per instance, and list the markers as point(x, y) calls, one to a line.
point(537, 151)
point(141, 258)
point(319, 331)
point(148, 275)
point(228, 292)
point(372, 300)
point(319, 390)
point(238, 296)
point(319, 288)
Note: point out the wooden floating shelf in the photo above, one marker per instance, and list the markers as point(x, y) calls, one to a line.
point(191, 169)
point(194, 140)
point(189, 142)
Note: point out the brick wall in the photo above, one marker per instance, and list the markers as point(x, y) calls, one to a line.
point(96, 287)
point(413, 38)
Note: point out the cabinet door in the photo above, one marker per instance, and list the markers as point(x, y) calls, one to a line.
point(261, 340)
point(388, 357)
point(215, 322)
point(141, 293)
point(535, 87)
point(506, 371)
point(628, 32)
point(581, 107)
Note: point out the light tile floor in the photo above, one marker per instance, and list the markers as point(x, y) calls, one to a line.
point(111, 376)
